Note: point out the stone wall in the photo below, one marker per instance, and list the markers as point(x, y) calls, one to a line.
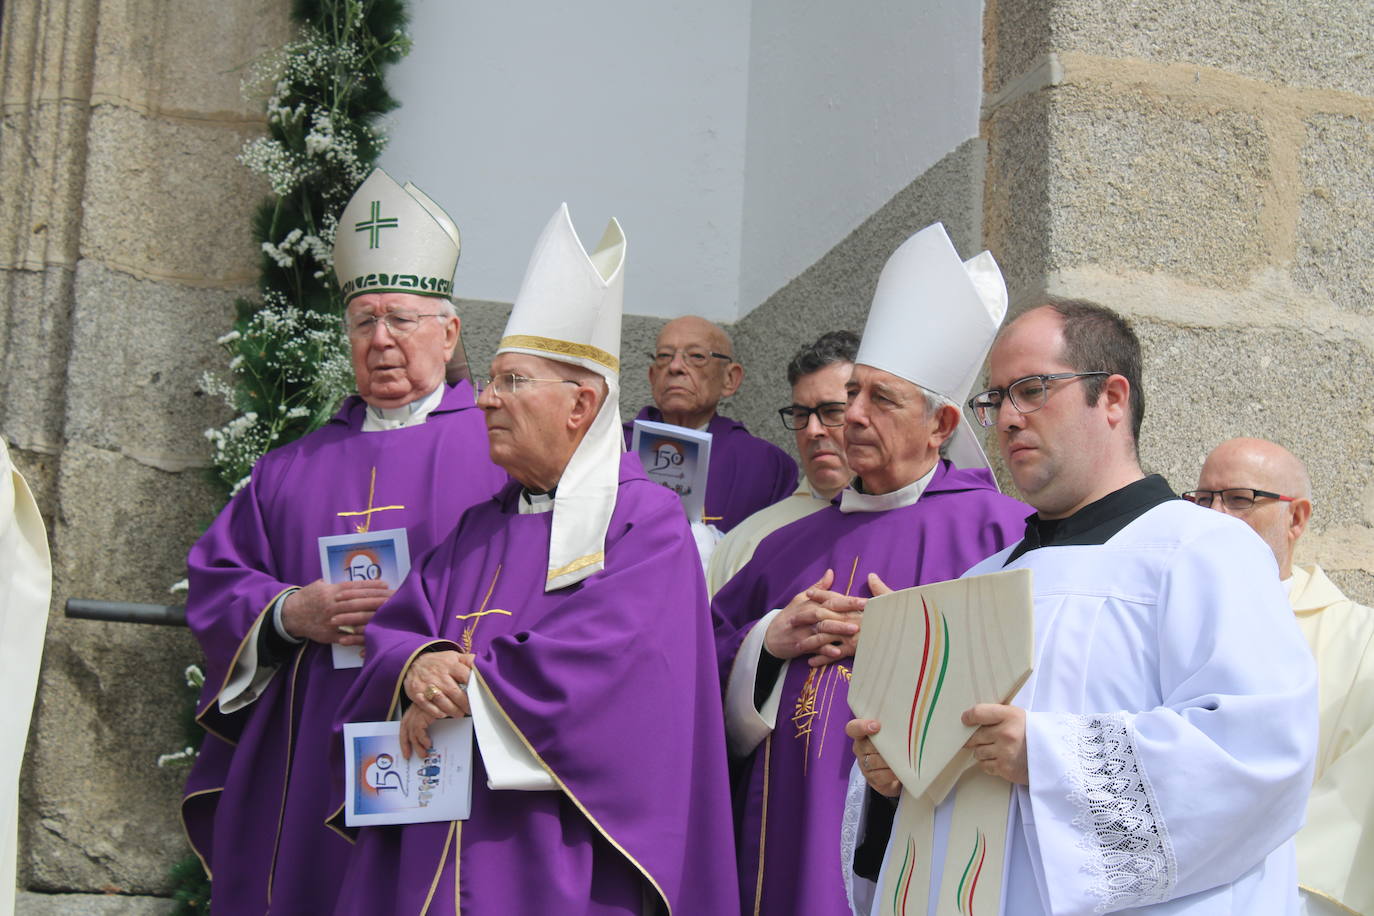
point(1208, 170)
point(123, 242)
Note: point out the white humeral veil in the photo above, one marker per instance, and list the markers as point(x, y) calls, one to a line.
point(25, 589)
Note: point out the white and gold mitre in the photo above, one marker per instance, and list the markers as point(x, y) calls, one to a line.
point(932, 322)
point(568, 310)
point(569, 304)
point(394, 239)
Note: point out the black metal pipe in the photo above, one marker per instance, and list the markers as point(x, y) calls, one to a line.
point(167, 615)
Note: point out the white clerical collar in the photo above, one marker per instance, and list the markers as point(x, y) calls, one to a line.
point(851, 500)
point(412, 414)
point(531, 503)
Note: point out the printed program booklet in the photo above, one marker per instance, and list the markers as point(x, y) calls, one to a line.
point(383, 555)
point(385, 788)
point(676, 457)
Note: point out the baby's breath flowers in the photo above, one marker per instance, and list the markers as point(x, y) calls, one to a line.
point(288, 358)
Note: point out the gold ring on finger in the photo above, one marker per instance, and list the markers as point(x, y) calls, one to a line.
point(432, 691)
point(345, 628)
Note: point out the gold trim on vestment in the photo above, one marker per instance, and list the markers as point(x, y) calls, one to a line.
point(577, 564)
point(189, 842)
point(763, 823)
point(286, 770)
point(1328, 898)
point(390, 714)
point(457, 868)
point(571, 797)
point(439, 872)
point(233, 663)
point(562, 348)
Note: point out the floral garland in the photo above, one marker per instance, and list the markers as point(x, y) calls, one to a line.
point(289, 361)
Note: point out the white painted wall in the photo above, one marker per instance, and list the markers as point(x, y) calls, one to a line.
point(848, 103)
point(736, 141)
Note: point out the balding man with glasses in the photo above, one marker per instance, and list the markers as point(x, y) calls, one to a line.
point(692, 369)
point(1267, 487)
point(1161, 751)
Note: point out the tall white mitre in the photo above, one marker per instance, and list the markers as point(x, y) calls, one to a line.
point(394, 239)
point(932, 322)
point(568, 310)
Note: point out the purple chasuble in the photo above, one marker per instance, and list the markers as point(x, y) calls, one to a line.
point(258, 796)
point(610, 681)
point(746, 474)
point(792, 792)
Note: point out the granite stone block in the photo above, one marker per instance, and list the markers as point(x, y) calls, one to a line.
point(167, 198)
point(139, 348)
point(98, 812)
point(1335, 233)
point(1314, 44)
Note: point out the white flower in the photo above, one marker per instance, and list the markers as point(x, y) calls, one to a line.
point(185, 754)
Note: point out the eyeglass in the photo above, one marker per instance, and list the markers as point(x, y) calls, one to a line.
point(1237, 499)
point(694, 358)
point(1027, 395)
point(507, 383)
point(830, 413)
point(399, 323)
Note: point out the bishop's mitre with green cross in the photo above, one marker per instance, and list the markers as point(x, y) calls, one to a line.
point(394, 239)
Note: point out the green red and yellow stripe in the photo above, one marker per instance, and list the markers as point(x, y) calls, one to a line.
point(934, 666)
point(973, 870)
point(902, 887)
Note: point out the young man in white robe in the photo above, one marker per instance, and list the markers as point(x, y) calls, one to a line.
point(1161, 751)
point(1267, 487)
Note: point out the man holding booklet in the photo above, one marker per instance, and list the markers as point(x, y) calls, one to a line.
point(924, 508)
point(284, 582)
point(563, 622)
point(1160, 754)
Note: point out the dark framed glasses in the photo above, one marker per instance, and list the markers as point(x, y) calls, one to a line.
point(797, 416)
point(1235, 499)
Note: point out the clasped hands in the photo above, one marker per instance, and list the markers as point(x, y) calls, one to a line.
point(998, 745)
point(436, 683)
point(819, 622)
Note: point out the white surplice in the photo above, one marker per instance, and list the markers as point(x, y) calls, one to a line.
point(25, 589)
point(1171, 727)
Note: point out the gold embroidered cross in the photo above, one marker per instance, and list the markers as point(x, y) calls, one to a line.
point(367, 513)
point(476, 616)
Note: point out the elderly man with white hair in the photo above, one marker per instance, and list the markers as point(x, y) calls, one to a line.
point(923, 508)
point(407, 453)
point(567, 617)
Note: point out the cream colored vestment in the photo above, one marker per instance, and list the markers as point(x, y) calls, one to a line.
point(25, 589)
point(1336, 845)
point(734, 550)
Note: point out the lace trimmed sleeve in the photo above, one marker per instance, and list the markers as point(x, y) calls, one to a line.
point(1129, 857)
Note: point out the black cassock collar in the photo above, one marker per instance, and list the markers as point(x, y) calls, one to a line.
point(1097, 522)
